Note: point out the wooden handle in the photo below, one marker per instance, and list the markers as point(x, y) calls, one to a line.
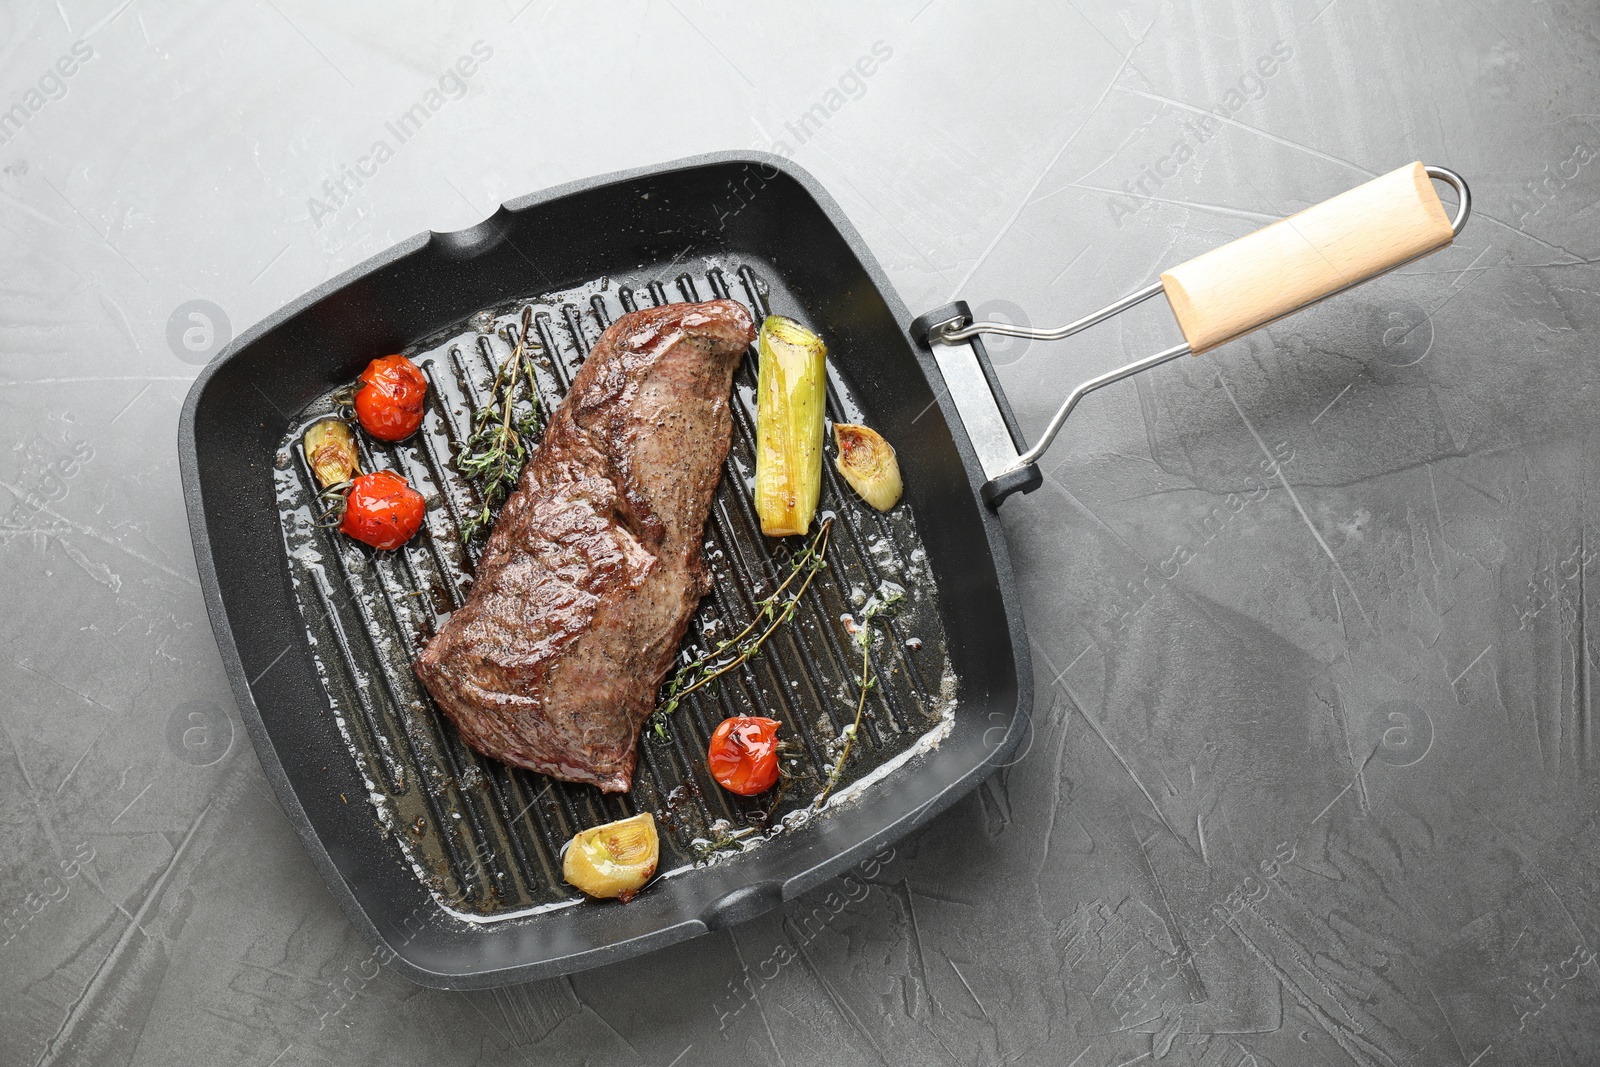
point(1250, 282)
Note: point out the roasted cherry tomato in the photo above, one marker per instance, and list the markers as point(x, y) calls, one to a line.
point(389, 399)
point(744, 754)
point(382, 510)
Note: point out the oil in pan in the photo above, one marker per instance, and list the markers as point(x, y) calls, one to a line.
point(486, 838)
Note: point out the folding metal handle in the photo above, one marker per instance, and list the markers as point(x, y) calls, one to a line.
point(1244, 285)
point(1308, 257)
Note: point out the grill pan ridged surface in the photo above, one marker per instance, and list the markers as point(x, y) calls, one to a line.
point(486, 838)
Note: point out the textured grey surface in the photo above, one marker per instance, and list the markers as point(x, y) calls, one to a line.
point(1310, 778)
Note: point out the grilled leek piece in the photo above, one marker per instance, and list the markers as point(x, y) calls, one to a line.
point(791, 395)
point(868, 463)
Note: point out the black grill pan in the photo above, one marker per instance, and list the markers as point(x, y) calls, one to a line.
point(315, 639)
point(317, 636)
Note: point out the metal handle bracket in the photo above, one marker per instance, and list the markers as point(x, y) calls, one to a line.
point(980, 403)
point(1009, 465)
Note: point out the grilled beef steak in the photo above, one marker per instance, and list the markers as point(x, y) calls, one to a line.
point(594, 566)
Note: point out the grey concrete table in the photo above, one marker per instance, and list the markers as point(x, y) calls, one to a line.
point(1311, 773)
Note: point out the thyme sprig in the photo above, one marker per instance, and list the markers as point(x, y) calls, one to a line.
point(880, 603)
point(723, 837)
point(771, 612)
point(331, 501)
point(496, 449)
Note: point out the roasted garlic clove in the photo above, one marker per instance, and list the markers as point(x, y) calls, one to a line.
point(331, 451)
point(867, 462)
point(614, 860)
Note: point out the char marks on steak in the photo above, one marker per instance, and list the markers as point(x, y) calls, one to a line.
point(594, 566)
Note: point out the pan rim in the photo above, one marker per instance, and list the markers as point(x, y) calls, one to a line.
point(795, 884)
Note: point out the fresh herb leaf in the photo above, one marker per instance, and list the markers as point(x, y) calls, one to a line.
point(886, 597)
point(502, 433)
point(771, 612)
